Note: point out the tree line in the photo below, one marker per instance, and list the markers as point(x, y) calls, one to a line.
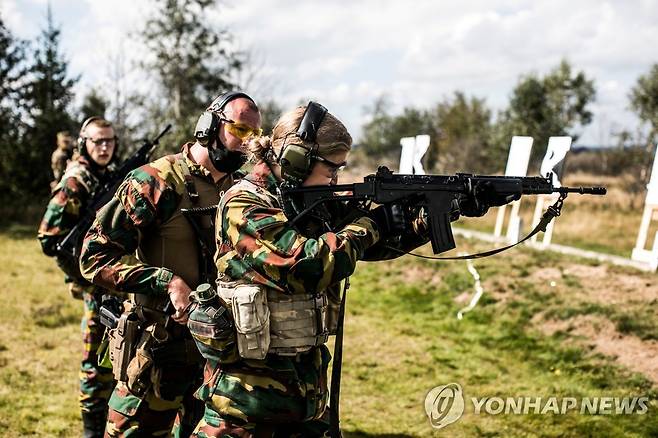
point(467, 137)
point(189, 62)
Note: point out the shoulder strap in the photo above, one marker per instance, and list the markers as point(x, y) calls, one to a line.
point(190, 187)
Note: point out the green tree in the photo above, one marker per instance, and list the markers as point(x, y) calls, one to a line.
point(270, 111)
point(381, 135)
point(48, 93)
point(541, 107)
point(464, 141)
point(192, 62)
point(93, 104)
point(644, 100)
point(12, 70)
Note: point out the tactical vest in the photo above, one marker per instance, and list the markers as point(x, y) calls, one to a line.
point(268, 320)
point(174, 244)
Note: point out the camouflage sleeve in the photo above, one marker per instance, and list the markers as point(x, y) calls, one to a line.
point(108, 253)
point(266, 242)
point(62, 213)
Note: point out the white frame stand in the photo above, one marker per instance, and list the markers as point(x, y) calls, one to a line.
point(517, 165)
point(640, 253)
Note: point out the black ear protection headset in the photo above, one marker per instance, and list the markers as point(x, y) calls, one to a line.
point(82, 141)
point(296, 160)
point(207, 126)
point(207, 130)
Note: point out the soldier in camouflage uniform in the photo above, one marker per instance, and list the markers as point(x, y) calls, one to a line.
point(69, 200)
point(141, 243)
point(61, 156)
point(285, 394)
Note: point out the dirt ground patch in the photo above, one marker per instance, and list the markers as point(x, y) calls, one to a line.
point(602, 284)
point(600, 334)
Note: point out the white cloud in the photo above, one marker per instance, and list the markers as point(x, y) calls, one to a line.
point(347, 53)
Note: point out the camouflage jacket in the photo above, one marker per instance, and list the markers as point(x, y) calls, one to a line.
point(58, 162)
point(69, 200)
point(256, 244)
point(147, 198)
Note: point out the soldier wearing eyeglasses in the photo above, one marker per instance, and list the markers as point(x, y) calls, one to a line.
point(144, 243)
point(70, 197)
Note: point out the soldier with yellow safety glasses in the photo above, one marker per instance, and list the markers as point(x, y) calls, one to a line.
point(148, 216)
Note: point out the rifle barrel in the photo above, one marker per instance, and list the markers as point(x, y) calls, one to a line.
point(582, 190)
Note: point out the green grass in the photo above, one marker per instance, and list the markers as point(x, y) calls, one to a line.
point(41, 342)
point(418, 343)
point(402, 339)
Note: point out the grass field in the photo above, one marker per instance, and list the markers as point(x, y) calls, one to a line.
point(547, 326)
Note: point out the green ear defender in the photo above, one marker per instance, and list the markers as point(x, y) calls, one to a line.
point(295, 159)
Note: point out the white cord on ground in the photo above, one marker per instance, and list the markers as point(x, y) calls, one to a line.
point(478, 290)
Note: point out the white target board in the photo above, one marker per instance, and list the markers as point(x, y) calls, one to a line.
point(640, 253)
point(519, 156)
point(553, 164)
point(517, 165)
point(553, 161)
point(413, 150)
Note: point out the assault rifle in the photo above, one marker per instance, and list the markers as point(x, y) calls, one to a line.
point(443, 197)
point(68, 250)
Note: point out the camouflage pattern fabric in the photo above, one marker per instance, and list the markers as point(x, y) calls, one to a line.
point(214, 426)
point(69, 199)
point(147, 198)
point(96, 382)
point(58, 162)
point(256, 244)
point(171, 414)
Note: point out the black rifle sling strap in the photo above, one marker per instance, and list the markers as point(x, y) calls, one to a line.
point(551, 213)
point(334, 392)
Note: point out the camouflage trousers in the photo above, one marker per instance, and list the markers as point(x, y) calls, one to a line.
point(213, 425)
point(96, 382)
point(175, 412)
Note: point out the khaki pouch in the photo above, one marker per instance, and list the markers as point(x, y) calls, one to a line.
point(141, 366)
point(251, 318)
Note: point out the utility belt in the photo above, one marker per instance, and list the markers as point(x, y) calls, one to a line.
point(270, 322)
point(142, 341)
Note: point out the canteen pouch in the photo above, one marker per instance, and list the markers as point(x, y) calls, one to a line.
point(251, 317)
point(211, 326)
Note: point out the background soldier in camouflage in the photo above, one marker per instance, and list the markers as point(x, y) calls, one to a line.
point(282, 395)
point(61, 156)
point(70, 199)
point(144, 218)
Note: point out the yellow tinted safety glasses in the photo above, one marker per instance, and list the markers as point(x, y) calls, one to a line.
point(241, 130)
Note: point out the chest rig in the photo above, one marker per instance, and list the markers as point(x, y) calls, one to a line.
point(268, 320)
point(184, 243)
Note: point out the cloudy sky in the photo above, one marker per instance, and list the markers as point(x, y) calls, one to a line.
point(347, 53)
